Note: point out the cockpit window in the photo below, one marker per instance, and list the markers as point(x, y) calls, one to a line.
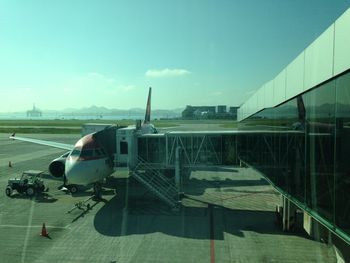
point(75, 153)
point(87, 153)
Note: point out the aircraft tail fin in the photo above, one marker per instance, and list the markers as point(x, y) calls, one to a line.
point(148, 107)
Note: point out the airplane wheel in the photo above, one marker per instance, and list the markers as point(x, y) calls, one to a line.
point(97, 191)
point(73, 189)
point(30, 191)
point(8, 191)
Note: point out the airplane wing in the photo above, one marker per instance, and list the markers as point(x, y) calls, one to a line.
point(42, 142)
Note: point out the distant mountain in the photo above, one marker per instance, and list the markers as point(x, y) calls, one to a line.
point(91, 109)
point(99, 112)
point(137, 110)
point(103, 111)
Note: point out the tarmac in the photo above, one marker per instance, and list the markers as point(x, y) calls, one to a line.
point(227, 215)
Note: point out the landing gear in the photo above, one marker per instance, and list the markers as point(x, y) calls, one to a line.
point(73, 189)
point(98, 191)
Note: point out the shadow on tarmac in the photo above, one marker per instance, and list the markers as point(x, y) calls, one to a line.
point(145, 214)
point(198, 187)
point(152, 216)
point(40, 197)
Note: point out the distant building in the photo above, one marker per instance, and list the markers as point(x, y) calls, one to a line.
point(209, 112)
point(196, 112)
point(233, 112)
point(221, 109)
point(34, 112)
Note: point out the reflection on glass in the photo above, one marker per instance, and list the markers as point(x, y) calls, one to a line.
point(303, 146)
point(342, 153)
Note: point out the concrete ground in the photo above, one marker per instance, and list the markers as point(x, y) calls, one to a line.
point(227, 216)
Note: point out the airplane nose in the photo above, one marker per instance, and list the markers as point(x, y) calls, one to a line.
point(82, 172)
point(73, 172)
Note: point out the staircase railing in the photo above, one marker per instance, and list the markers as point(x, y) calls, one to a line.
point(156, 182)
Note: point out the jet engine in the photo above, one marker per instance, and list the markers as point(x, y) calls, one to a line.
point(57, 166)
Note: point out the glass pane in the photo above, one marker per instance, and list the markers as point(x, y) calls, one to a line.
point(342, 172)
point(320, 116)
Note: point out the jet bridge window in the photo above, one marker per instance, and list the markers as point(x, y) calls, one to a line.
point(123, 148)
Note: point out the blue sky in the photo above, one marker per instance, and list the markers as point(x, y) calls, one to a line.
point(62, 54)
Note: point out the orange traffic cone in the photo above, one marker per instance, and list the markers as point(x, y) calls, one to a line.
point(44, 233)
point(10, 164)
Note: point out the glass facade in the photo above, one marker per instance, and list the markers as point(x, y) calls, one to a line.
point(196, 149)
point(303, 147)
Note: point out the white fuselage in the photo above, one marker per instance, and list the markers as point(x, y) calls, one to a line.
point(87, 163)
point(83, 172)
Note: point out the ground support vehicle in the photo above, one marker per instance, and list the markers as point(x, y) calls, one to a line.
point(30, 183)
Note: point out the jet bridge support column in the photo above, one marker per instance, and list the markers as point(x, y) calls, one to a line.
point(316, 230)
point(177, 168)
point(289, 215)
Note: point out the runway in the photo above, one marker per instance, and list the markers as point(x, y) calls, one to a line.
point(227, 215)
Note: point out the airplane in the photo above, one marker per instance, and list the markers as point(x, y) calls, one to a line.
point(90, 160)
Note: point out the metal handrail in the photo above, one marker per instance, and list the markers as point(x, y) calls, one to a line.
point(156, 182)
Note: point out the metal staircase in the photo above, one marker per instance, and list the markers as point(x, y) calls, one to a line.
point(156, 182)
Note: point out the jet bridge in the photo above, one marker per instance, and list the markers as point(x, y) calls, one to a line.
point(204, 148)
point(159, 160)
point(175, 152)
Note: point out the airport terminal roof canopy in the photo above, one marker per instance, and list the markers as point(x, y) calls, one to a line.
point(325, 58)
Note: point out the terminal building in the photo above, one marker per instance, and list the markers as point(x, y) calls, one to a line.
point(302, 140)
point(221, 109)
point(192, 112)
point(209, 112)
point(233, 112)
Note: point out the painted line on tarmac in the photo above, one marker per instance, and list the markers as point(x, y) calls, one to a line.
point(212, 234)
point(124, 222)
point(38, 226)
point(125, 210)
point(31, 211)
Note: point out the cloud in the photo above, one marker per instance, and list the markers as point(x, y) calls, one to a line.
point(159, 73)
